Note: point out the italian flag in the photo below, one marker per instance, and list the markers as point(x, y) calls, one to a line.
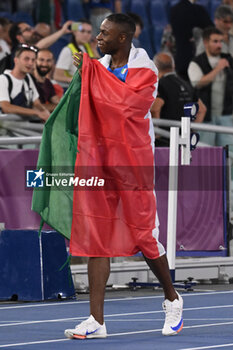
point(100, 130)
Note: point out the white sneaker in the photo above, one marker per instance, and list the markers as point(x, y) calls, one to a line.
point(89, 328)
point(173, 320)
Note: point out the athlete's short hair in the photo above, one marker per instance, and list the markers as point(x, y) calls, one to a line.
point(125, 22)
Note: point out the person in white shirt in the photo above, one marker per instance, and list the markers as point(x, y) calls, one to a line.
point(18, 94)
point(211, 73)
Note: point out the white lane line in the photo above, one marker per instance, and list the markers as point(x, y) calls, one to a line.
point(76, 318)
point(43, 305)
point(120, 334)
point(162, 319)
point(34, 342)
point(186, 327)
point(42, 321)
point(13, 321)
point(125, 320)
point(112, 315)
point(62, 303)
point(210, 347)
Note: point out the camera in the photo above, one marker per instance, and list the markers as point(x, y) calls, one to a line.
point(76, 26)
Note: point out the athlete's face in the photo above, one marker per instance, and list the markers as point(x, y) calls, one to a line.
point(109, 39)
point(214, 44)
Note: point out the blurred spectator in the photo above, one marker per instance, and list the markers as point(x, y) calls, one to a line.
point(47, 93)
point(100, 9)
point(18, 93)
point(41, 30)
point(230, 3)
point(21, 32)
point(168, 42)
point(211, 73)
point(139, 27)
point(173, 93)
point(223, 19)
point(57, 87)
point(185, 16)
point(81, 41)
point(4, 37)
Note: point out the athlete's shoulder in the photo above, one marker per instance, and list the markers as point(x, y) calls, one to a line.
point(139, 58)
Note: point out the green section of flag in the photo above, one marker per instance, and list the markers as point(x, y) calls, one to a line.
point(57, 150)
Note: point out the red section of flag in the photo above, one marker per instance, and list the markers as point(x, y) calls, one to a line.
point(114, 144)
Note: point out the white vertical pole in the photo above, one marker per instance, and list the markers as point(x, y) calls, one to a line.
point(172, 199)
point(185, 137)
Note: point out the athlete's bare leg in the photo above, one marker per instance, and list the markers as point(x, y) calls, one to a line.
point(160, 269)
point(98, 273)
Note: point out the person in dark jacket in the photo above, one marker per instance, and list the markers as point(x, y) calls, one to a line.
point(211, 73)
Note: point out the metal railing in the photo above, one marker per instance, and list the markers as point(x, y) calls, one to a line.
point(194, 126)
point(20, 140)
point(31, 131)
point(19, 129)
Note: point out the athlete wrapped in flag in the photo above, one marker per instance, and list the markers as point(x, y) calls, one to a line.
point(116, 143)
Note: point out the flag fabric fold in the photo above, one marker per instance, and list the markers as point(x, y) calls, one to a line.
point(58, 151)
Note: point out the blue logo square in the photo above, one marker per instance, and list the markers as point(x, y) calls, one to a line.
point(35, 178)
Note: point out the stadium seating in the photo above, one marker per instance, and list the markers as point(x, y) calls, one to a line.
point(146, 40)
point(213, 5)
point(158, 12)
point(126, 4)
point(23, 17)
point(157, 34)
point(74, 9)
point(173, 2)
point(158, 16)
point(6, 15)
point(205, 3)
point(141, 8)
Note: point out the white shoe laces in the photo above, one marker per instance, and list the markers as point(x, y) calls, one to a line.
point(172, 310)
point(85, 322)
